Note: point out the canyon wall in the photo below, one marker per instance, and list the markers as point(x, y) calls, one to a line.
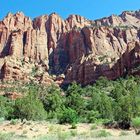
point(49, 49)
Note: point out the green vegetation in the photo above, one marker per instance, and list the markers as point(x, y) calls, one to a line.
point(123, 133)
point(102, 133)
point(96, 26)
point(34, 71)
point(6, 136)
point(104, 102)
point(136, 124)
point(14, 121)
point(29, 107)
point(6, 107)
point(93, 127)
point(73, 126)
point(68, 116)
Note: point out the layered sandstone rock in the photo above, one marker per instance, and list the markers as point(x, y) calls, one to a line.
point(80, 49)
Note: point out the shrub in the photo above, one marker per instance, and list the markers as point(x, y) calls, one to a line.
point(101, 103)
point(13, 121)
point(68, 116)
point(52, 99)
point(92, 116)
point(29, 107)
point(6, 107)
point(136, 124)
point(74, 98)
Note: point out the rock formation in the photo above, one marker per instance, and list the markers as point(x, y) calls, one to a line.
point(79, 49)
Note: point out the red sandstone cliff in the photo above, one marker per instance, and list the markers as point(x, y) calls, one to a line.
point(80, 49)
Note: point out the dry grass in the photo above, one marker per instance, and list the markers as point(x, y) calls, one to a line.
point(29, 130)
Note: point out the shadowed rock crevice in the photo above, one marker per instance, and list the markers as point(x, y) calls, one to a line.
point(6, 48)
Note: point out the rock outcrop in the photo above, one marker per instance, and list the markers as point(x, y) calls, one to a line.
point(81, 50)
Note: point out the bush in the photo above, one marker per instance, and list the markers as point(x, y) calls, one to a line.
point(101, 103)
point(29, 107)
point(68, 116)
point(13, 121)
point(52, 100)
point(6, 107)
point(74, 98)
point(136, 124)
point(92, 116)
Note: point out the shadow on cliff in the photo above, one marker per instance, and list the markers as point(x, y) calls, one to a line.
point(6, 49)
point(128, 64)
point(59, 57)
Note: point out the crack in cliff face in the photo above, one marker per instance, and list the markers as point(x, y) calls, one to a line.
point(6, 49)
point(71, 47)
point(87, 47)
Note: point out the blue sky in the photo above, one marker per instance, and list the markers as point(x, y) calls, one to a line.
point(91, 9)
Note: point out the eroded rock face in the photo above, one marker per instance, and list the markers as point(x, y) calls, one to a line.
point(109, 54)
point(80, 49)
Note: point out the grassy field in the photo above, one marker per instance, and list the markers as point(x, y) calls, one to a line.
point(29, 130)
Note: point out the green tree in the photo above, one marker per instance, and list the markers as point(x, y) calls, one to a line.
point(29, 107)
point(102, 103)
point(74, 98)
point(53, 100)
point(68, 115)
point(125, 102)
